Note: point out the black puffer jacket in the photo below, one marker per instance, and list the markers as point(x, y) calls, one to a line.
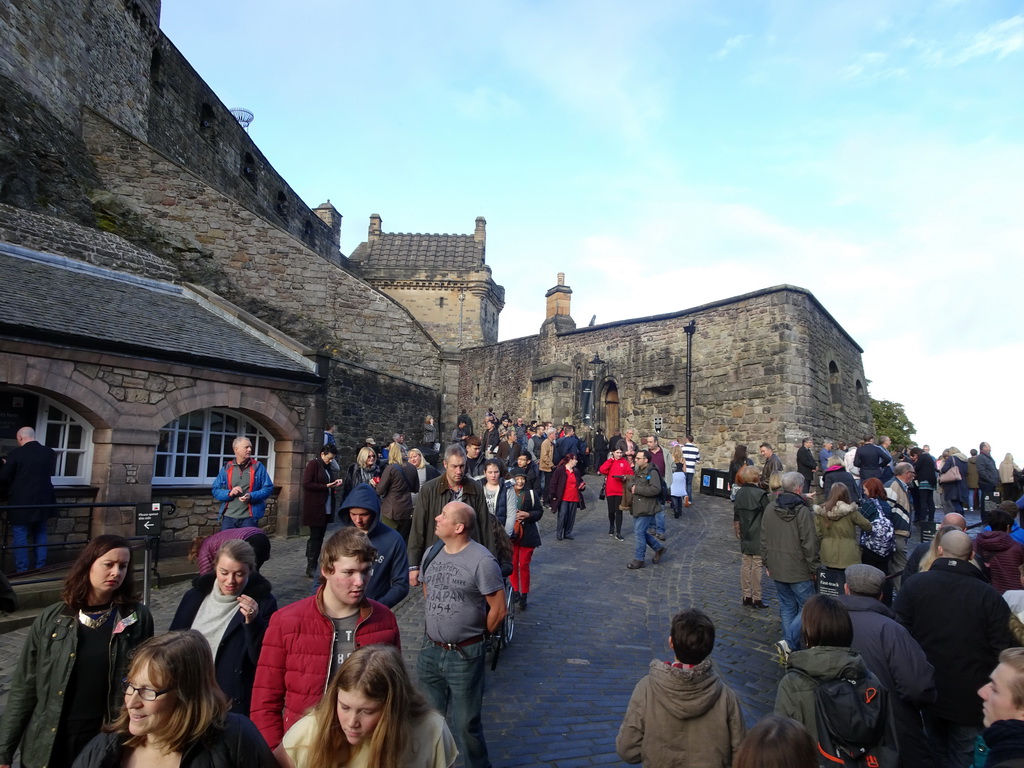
point(237, 745)
point(239, 649)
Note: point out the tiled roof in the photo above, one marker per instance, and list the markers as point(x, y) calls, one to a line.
point(437, 252)
point(80, 305)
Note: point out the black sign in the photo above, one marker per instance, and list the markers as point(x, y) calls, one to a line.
point(831, 581)
point(148, 519)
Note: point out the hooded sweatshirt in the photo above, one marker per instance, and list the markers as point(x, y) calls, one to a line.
point(681, 717)
point(389, 581)
point(1003, 557)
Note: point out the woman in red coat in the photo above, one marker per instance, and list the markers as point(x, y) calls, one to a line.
point(565, 493)
point(615, 468)
point(318, 503)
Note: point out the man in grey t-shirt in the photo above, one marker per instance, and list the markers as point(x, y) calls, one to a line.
point(465, 596)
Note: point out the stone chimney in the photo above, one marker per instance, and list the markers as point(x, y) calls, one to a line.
point(329, 215)
point(480, 233)
point(374, 233)
point(557, 317)
point(558, 298)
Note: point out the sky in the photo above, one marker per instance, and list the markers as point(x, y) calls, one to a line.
point(668, 154)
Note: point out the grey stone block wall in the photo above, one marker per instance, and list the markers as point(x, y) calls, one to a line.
point(760, 373)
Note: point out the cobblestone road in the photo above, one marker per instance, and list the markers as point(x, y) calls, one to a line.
point(592, 626)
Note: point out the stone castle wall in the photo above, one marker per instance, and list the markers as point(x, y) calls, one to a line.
point(760, 373)
point(261, 268)
point(64, 238)
point(188, 122)
point(67, 53)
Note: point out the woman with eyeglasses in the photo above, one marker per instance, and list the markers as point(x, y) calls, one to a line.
point(67, 682)
point(173, 714)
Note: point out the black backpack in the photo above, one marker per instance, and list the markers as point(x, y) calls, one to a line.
point(854, 719)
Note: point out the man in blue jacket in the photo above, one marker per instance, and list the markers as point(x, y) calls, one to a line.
point(243, 485)
point(389, 580)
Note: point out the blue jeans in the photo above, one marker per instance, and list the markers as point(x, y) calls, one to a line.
point(643, 538)
point(659, 521)
point(20, 536)
point(566, 519)
point(791, 601)
point(952, 743)
point(457, 678)
point(227, 523)
point(689, 485)
point(677, 506)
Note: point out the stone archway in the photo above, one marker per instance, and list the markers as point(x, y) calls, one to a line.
point(609, 408)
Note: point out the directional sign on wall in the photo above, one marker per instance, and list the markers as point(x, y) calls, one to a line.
point(148, 519)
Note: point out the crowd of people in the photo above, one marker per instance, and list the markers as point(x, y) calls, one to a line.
point(932, 626)
point(238, 681)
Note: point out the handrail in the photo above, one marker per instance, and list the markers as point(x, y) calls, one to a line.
point(152, 543)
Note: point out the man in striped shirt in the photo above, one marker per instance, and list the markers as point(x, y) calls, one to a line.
point(691, 455)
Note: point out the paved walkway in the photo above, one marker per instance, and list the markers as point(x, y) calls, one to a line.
point(592, 626)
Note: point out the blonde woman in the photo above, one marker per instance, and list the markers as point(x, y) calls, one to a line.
point(371, 715)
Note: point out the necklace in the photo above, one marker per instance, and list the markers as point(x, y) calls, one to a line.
point(94, 620)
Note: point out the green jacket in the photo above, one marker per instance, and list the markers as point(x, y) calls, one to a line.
point(747, 510)
point(35, 700)
point(430, 500)
point(789, 544)
point(646, 493)
point(838, 540)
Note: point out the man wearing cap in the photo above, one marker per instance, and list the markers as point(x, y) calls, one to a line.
point(894, 656)
point(464, 595)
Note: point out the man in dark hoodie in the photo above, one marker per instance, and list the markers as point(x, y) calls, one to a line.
point(789, 550)
point(389, 580)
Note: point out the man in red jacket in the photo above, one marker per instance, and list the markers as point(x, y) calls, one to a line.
point(308, 640)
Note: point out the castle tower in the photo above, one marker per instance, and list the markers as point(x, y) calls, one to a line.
point(443, 280)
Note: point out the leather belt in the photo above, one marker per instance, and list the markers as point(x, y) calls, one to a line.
point(452, 646)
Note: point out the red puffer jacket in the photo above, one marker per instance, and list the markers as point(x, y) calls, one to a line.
point(297, 649)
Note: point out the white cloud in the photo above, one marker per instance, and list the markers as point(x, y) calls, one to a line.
point(1000, 40)
point(732, 44)
point(871, 67)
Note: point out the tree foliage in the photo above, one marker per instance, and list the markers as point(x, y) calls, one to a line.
point(890, 419)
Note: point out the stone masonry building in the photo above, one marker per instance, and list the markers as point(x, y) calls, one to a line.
point(772, 365)
point(166, 289)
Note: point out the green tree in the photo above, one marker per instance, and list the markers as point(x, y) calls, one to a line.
point(890, 419)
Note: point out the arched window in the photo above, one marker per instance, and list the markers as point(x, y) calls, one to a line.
point(56, 426)
point(194, 447)
point(833, 383)
point(860, 391)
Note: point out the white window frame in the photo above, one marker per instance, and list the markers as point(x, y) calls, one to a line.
point(67, 419)
point(169, 454)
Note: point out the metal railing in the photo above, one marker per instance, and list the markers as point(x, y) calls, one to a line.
point(150, 544)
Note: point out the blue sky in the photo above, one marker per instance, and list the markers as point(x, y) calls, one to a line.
point(667, 154)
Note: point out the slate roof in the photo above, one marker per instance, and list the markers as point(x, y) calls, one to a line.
point(434, 252)
point(64, 301)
